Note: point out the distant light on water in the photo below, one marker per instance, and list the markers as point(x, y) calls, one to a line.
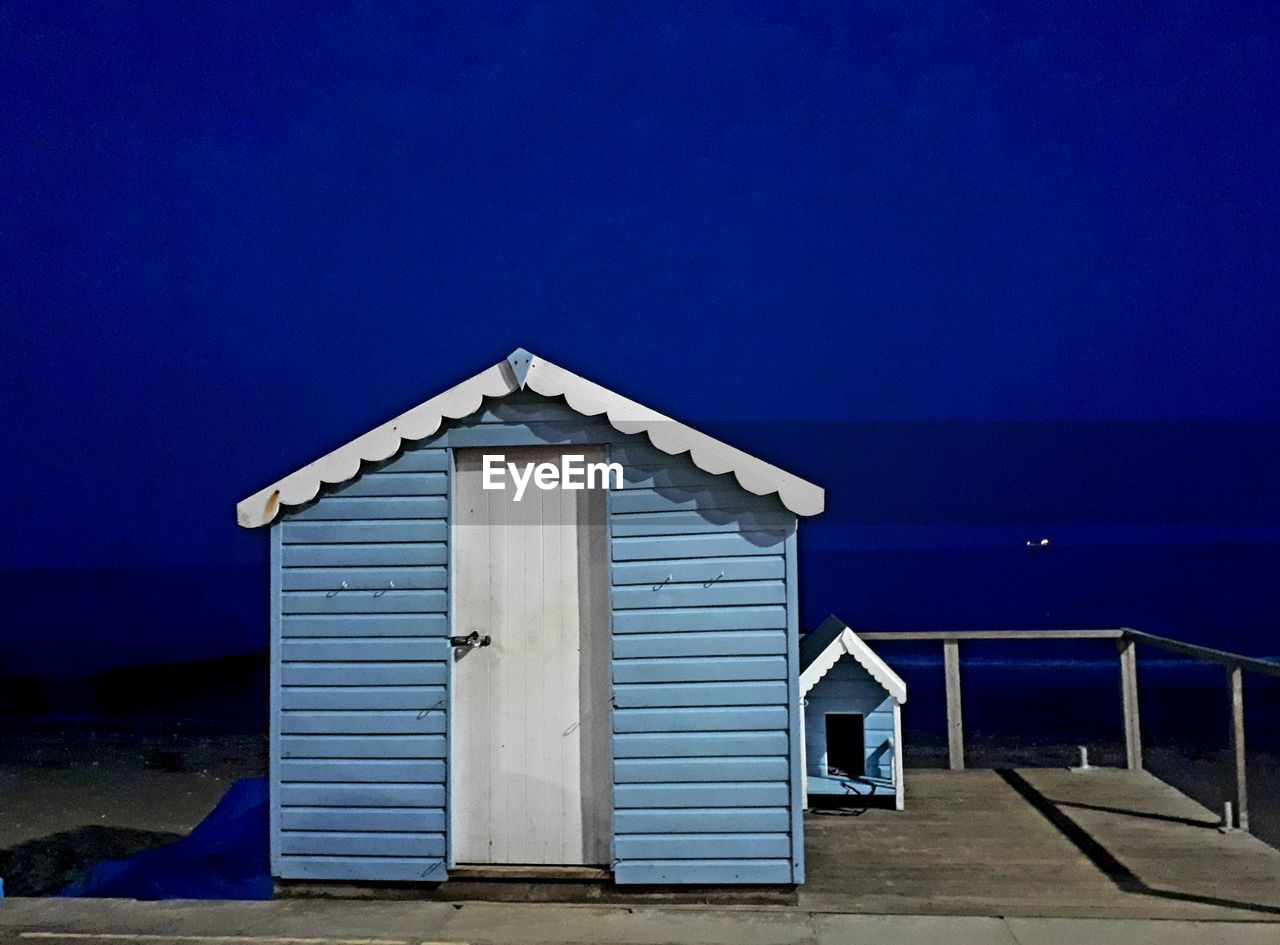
point(1042, 543)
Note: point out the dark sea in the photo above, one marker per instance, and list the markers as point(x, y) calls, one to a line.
point(69, 633)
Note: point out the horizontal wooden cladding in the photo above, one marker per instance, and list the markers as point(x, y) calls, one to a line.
point(400, 555)
point(362, 707)
point(700, 719)
point(364, 818)
point(364, 602)
point(418, 460)
point(367, 795)
point(352, 843)
point(703, 820)
point(405, 578)
point(699, 594)
point(363, 746)
point(378, 771)
point(640, 695)
point(379, 484)
point(364, 868)
point(703, 872)
point(389, 531)
point(726, 544)
point(422, 698)
point(695, 619)
point(694, 522)
point(699, 570)
point(727, 668)
point(296, 626)
point(362, 722)
point(707, 643)
point(835, 689)
point(699, 744)
point(339, 508)
point(680, 794)
point(317, 649)
point(702, 846)
point(666, 498)
point(694, 770)
point(402, 673)
point(875, 713)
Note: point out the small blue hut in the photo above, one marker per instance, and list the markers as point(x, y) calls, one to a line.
point(852, 716)
point(532, 623)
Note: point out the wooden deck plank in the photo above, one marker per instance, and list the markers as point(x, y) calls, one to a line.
point(1045, 842)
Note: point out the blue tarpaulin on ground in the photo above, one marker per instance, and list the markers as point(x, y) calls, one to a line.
point(224, 857)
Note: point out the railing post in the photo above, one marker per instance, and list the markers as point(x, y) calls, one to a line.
point(955, 719)
point(1235, 680)
point(1129, 700)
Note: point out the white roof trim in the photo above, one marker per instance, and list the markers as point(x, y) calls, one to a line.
point(850, 644)
point(525, 370)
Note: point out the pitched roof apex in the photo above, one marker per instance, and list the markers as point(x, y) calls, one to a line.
point(836, 639)
point(522, 370)
point(521, 360)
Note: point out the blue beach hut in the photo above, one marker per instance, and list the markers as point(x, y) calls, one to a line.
point(852, 716)
point(531, 623)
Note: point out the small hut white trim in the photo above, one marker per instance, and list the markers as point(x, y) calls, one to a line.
point(848, 643)
point(844, 642)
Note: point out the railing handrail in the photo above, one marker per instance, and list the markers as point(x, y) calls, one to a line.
point(1208, 653)
point(1126, 639)
point(935, 635)
point(1195, 650)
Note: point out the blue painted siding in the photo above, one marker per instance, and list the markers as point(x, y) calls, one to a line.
point(701, 665)
point(704, 664)
point(795, 726)
point(850, 688)
point(359, 747)
point(274, 765)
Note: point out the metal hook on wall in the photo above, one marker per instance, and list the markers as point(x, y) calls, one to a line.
point(334, 592)
point(659, 585)
point(391, 585)
point(714, 579)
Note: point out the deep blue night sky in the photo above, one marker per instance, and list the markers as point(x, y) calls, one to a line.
point(233, 239)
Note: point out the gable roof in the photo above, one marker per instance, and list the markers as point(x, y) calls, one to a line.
point(523, 370)
point(823, 648)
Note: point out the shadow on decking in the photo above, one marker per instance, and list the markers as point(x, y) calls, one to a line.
point(1112, 843)
point(1140, 814)
point(1124, 878)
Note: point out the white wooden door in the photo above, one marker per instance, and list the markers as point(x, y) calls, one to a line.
point(530, 767)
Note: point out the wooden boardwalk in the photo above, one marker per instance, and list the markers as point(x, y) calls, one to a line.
point(1039, 842)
